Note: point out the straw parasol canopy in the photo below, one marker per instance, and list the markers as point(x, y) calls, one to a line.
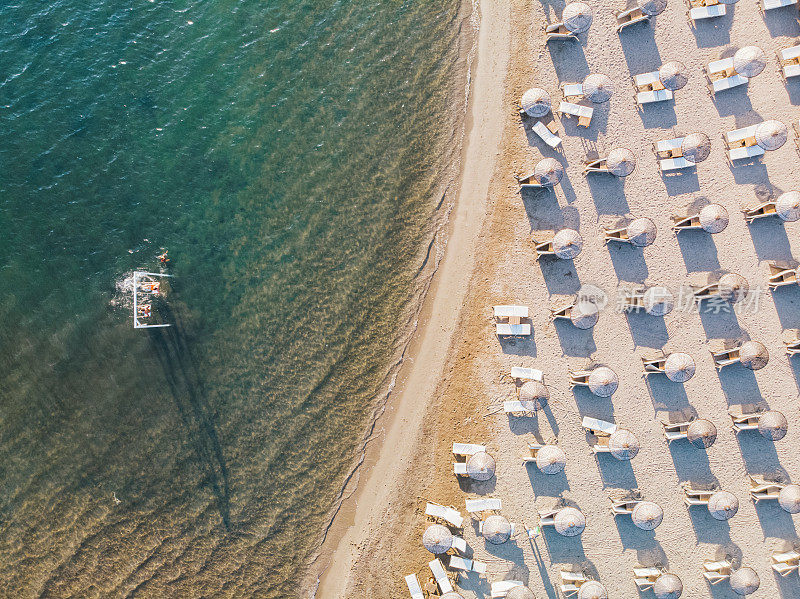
point(658, 301)
point(577, 17)
point(641, 232)
point(437, 539)
point(570, 522)
point(745, 581)
point(668, 586)
point(598, 88)
point(696, 147)
point(653, 7)
point(551, 459)
point(534, 395)
point(733, 287)
point(788, 206)
point(584, 314)
point(624, 444)
point(621, 162)
point(753, 355)
point(567, 244)
point(535, 102)
point(548, 171)
point(771, 134)
point(701, 433)
point(520, 592)
point(480, 466)
point(496, 530)
point(673, 75)
point(723, 505)
point(749, 61)
point(603, 381)
point(789, 498)
point(713, 218)
point(679, 367)
point(647, 515)
point(592, 590)
point(452, 595)
point(772, 425)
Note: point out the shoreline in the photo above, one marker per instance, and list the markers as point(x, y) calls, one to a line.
point(384, 464)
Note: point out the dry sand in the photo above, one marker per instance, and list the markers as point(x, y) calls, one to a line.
point(384, 544)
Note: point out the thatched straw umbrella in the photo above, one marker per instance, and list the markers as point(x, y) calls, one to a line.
point(658, 301)
point(569, 522)
point(647, 515)
point(603, 381)
point(496, 530)
point(534, 395)
point(753, 355)
point(696, 147)
point(567, 244)
point(621, 162)
point(668, 586)
point(701, 433)
point(592, 590)
point(535, 102)
point(598, 88)
point(624, 444)
point(723, 505)
point(672, 75)
point(789, 498)
point(520, 592)
point(452, 595)
point(641, 232)
point(551, 459)
point(577, 17)
point(787, 206)
point(437, 539)
point(584, 314)
point(679, 367)
point(772, 425)
point(733, 287)
point(771, 134)
point(548, 172)
point(713, 218)
point(480, 466)
point(749, 61)
point(744, 581)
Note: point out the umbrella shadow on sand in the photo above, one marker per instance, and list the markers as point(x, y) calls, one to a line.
point(716, 32)
point(608, 193)
point(575, 341)
point(770, 239)
point(647, 330)
point(628, 261)
point(779, 24)
point(699, 251)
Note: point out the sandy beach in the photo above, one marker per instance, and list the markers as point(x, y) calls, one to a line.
point(454, 383)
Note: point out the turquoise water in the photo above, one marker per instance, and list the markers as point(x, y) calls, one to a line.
point(289, 156)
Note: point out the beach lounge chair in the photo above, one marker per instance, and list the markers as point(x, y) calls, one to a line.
point(712, 218)
point(705, 9)
point(645, 578)
point(564, 244)
point(741, 144)
point(439, 574)
point(619, 162)
point(721, 75)
point(780, 276)
point(413, 587)
point(519, 373)
point(670, 155)
point(675, 431)
point(744, 422)
point(484, 506)
point(547, 134)
point(480, 527)
point(573, 577)
point(695, 496)
point(583, 315)
point(518, 408)
point(623, 507)
point(584, 113)
point(467, 449)
point(761, 489)
point(547, 517)
point(649, 88)
point(630, 16)
point(785, 562)
point(791, 339)
point(789, 59)
point(466, 565)
point(500, 588)
point(717, 571)
point(773, 4)
point(441, 513)
point(599, 428)
point(512, 315)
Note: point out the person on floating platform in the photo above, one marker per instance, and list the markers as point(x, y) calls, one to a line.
point(143, 310)
point(163, 257)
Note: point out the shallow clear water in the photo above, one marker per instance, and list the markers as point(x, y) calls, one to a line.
point(288, 156)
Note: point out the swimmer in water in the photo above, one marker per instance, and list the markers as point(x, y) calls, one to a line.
point(163, 257)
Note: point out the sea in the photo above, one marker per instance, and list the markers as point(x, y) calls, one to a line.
point(293, 159)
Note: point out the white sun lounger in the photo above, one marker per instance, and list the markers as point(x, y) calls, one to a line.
point(572, 90)
point(413, 587)
point(785, 569)
point(667, 145)
point(518, 407)
point(646, 572)
point(511, 311)
point(486, 504)
point(513, 330)
point(595, 425)
point(467, 565)
point(467, 448)
point(547, 136)
point(673, 164)
point(440, 576)
point(622, 15)
point(501, 587)
point(569, 590)
point(791, 70)
point(706, 12)
point(787, 556)
point(728, 83)
point(584, 113)
point(526, 374)
point(442, 512)
point(460, 469)
point(790, 55)
point(745, 153)
point(739, 135)
point(772, 4)
point(567, 576)
point(645, 79)
point(649, 97)
point(459, 544)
